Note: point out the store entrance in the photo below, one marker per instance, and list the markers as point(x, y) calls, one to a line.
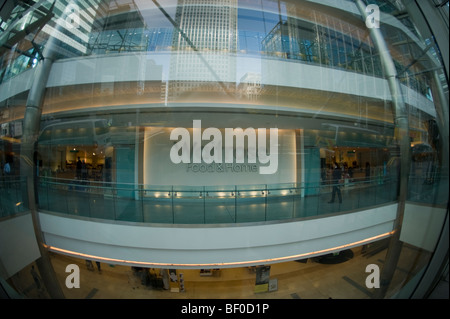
point(358, 164)
point(85, 162)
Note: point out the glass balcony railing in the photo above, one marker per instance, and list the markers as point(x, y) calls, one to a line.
point(106, 83)
point(12, 198)
point(205, 204)
point(208, 204)
point(292, 39)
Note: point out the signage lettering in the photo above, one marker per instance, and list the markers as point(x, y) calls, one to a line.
point(204, 158)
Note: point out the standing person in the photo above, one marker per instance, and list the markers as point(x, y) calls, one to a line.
point(36, 278)
point(367, 171)
point(7, 169)
point(336, 176)
point(89, 265)
point(6, 174)
point(83, 170)
point(98, 266)
point(79, 165)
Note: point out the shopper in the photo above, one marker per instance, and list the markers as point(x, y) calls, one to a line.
point(84, 173)
point(79, 165)
point(367, 171)
point(89, 265)
point(7, 169)
point(336, 178)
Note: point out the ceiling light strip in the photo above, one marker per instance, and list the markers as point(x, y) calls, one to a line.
point(200, 265)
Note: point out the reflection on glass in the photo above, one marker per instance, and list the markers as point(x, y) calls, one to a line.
point(125, 74)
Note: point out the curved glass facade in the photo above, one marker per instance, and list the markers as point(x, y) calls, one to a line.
point(214, 117)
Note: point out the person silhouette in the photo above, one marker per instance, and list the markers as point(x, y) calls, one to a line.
point(79, 166)
point(336, 176)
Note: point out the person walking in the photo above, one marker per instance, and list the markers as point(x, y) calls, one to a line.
point(336, 177)
point(367, 171)
point(99, 268)
point(7, 169)
point(84, 172)
point(79, 166)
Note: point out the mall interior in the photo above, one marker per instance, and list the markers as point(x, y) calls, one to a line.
point(229, 149)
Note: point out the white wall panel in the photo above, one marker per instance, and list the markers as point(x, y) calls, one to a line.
point(212, 246)
point(18, 246)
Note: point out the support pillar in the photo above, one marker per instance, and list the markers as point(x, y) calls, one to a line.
point(402, 138)
point(28, 153)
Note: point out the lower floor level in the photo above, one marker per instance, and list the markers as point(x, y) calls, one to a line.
point(336, 276)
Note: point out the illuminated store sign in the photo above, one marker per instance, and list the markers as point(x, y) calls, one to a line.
point(203, 157)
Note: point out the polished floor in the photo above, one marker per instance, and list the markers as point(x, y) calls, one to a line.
point(312, 279)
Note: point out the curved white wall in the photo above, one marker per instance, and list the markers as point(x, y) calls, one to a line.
point(207, 246)
point(159, 170)
point(155, 67)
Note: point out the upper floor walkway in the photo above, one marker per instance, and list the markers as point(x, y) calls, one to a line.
point(210, 228)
